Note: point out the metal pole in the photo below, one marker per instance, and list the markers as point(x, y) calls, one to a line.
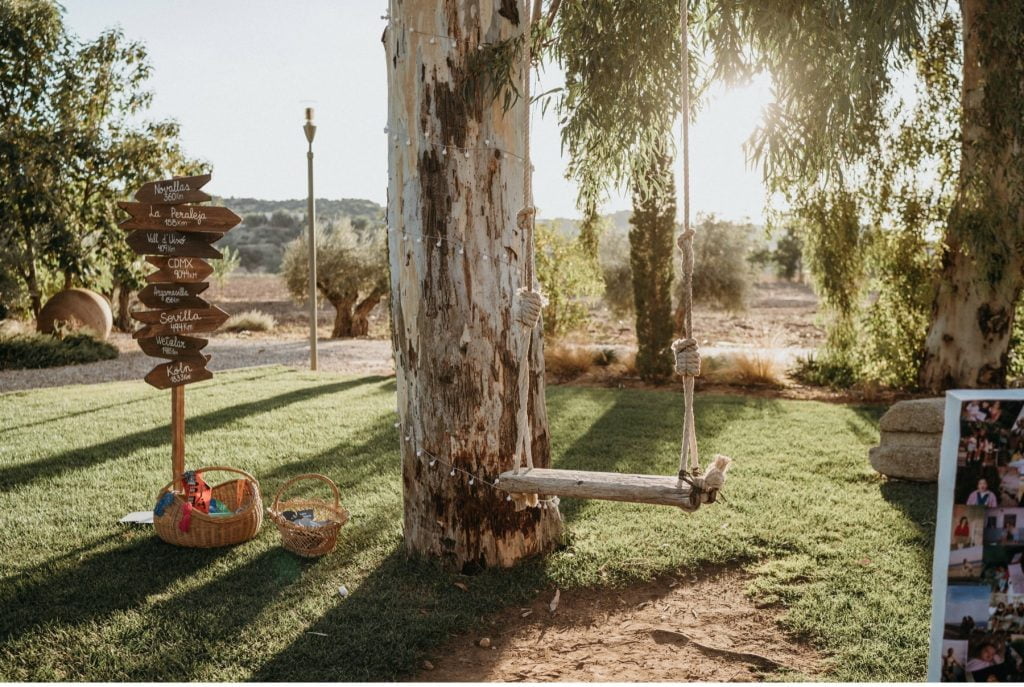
point(310, 130)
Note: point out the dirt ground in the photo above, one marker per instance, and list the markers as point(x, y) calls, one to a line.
point(638, 634)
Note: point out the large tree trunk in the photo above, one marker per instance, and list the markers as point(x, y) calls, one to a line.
point(650, 256)
point(361, 313)
point(456, 182)
point(342, 317)
point(968, 339)
point(124, 320)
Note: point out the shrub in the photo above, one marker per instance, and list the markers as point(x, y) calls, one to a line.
point(567, 275)
point(34, 351)
point(828, 372)
point(249, 321)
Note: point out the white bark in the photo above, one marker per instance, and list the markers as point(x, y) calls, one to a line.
point(456, 259)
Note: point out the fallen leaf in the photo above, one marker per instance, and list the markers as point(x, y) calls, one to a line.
point(427, 665)
point(524, 614)
point(484, 643)
point(553, 606)
point(462, 586)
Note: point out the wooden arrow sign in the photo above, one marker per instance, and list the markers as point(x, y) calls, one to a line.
point(178, 270)
point(173, 347)
point(178, 372)
point(177, 191)
point(179, 321)
point(193, 245)
point(174, 295)
point(179, 217)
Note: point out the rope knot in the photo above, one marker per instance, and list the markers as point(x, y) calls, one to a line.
point(685, 237)
point(687, 357)
point(528, 307)
point(524, 219)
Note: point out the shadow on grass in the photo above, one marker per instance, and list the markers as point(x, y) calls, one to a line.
point(635, 433)
point(116, 579)
point(76, 459)
point(404, 608)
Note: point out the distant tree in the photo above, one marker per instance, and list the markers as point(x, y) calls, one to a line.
point(651, 251)
point(351, 274)
point(254, 219)
point(722, 273)
point(71, 145)
point(617, 273)
point(788, 255)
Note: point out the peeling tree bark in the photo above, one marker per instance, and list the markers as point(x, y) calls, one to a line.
point(456, 260)
point(968, 340)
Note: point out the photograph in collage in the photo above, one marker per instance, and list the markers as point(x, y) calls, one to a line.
point(984, 623)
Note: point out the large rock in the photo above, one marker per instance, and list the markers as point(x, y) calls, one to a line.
point(77, 308)
point(925, 415)
point(911, 440)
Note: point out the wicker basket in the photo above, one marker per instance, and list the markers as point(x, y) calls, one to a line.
point(208, 531)
point(309, 541)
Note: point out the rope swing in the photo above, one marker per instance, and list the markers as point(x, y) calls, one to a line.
point(692, 486)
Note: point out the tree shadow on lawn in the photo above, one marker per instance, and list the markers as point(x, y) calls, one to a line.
point(76, 459)
point(402, 609)
point(406, 607)
point(112, 580)
point(641, 432)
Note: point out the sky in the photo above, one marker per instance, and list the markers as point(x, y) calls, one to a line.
point(237, 75)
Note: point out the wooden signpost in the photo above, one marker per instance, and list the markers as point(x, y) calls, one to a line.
point(175, 235)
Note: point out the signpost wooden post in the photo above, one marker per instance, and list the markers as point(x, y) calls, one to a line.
point(175, 235)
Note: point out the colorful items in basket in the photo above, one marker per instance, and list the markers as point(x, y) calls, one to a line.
point(197, 491)
point(219, 508)
point(304, 518)
point(161, 505)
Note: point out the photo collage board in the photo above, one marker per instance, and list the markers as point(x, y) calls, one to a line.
point(978, 585)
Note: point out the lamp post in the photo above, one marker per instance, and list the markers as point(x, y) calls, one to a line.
point(310, 129)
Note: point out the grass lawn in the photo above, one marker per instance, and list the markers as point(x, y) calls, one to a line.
point(83, 598)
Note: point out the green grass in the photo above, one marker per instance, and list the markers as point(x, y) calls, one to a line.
point(83, 598)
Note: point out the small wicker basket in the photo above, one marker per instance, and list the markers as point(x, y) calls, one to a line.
point(208, 531)
point(303, 540)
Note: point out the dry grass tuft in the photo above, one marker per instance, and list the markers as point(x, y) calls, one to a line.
point(565, 363)
point(250, 321)
point(757, 368)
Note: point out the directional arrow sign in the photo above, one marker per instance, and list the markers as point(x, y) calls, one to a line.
point(180, 190)
point(180, 321)
point(173, 347)
point(185, 270)
point(180, 217)
point(178, 372)
point(174, 296)
point(193, 245)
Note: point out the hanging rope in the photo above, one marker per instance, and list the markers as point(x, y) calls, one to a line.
point(687, 356)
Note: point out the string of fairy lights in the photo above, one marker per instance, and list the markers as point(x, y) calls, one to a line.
point(430, 459)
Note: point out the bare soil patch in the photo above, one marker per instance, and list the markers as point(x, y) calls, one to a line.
point(620, 635)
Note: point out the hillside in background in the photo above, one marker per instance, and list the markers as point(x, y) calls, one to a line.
point(268, 226)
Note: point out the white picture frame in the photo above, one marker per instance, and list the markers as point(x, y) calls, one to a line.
point(955, 399)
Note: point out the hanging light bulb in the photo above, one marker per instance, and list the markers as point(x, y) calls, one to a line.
point(432, 462)
point(462, 251)
point(444, 151)
point(471, 480)
point(432, 40)
point(438, 244)
point(496, 480)
point(419, 452)
point(452, 473)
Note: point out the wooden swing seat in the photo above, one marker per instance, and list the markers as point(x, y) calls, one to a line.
point(610, 486)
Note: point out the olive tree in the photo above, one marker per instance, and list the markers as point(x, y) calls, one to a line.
point(351, 274)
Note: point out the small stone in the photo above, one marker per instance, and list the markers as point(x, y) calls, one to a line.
point(427, 665)
point(484, 643)
point(343, 591)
